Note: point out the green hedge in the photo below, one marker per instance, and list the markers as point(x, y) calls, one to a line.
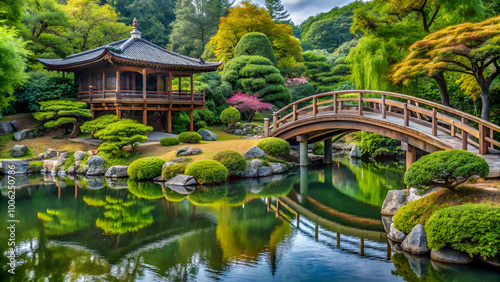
point(230, 116)
point(189, 137)
point(207, 171)
point(169, 141)
point(232, 160)
point(171, 171)
point(145, 168)
point(470, 228)
point(275, 147)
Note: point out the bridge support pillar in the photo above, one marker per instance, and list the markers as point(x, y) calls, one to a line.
point(304, 158)
point(411, 155)
point(327, 158)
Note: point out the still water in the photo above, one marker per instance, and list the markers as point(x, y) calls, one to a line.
point(329, 228)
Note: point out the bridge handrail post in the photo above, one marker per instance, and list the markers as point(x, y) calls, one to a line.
point(266, 127)
point(434, 121)
point(464, 135)
point(492, 146)
point(483, 144)
point(275, 122)
point(406, 114)
point(360, 104)
point(335, 103)
point(295, 111)
point(315, 106)
point(384, 108)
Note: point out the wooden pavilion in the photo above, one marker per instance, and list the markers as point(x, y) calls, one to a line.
point(133, 77)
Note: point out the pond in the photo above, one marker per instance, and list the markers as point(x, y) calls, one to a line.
point(329, 228)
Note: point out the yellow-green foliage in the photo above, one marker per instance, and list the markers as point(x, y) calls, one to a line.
point(207, 171)
point(470, 228)
point(232, 160)
point(189, 137)
point(169, 141)
point(172, 196)
point(35, 166)
point(122, 133)
point(230, 116)
point(145, 168)
point(60, 112)
point(172, 171)
point(98, 123)
point(275, 147)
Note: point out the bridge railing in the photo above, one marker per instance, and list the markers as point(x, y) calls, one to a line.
point(449, 120)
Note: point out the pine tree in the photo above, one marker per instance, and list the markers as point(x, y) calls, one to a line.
point(276, 10)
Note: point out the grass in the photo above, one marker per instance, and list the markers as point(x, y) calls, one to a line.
point(221, 135)
point(70, 160)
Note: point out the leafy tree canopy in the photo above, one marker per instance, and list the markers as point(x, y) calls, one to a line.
point(330, 33)
point(122, 133)
point(62, 112)
point(45, 88)
point(255, 43)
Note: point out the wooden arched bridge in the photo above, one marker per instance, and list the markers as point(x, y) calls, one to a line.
point(416, 122)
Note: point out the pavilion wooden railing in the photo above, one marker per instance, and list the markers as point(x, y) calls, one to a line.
point(451, 121)
point(153, 96)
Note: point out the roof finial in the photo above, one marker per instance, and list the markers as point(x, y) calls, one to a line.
point(135, 33)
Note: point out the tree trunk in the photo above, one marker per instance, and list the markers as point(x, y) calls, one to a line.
point(443, 90)
point(76, 130)
point(485, 100)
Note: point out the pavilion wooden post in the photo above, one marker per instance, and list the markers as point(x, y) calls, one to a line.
point(192, 89)
point(145, 114)
point(180, 85)
point(118, 110)
point(191, 124)
point(144, 84)
point(464, 134)
point(117, 84)
point(169, 120)
point(170, 87)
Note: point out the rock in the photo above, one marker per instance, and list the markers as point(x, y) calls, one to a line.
point(117, 183)
point(416, 241)
point(395, 235)
point(394, 200)
point(184, 190)
point(82, 169)
point(238, 132)
point(356, 151)
point(254, 152)
point(5, 128)
point(414, 194)
point(158, 179)
point(18, 166)
point(18, 150)
point(40, 157)
point(278, 168)
point(449, 255)
point(23, 134)
point(396, 247)
point(174, 161)
point(387, 221)
point(49, 153)
point(252, 168)
point(63, 154)
point(96, 166)
point(264, 171)
point(117, 171)
point(91, 152)
point(53, 164)
point(95, 182)
point(419, 264)
point(208, 135)
point(79, 155)
point(181, 180)
point(71, 170)
point(187, 151)
point(15, 124)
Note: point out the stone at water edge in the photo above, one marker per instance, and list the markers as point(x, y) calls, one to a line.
point(53, 164)
point(23, 134)
point(387, 221)
point(414, 193)
point(117, 171)
point(252, 168)
point(187, 151)
point(79, 155)
point(49, 153)
point(207, 135)
point(40, 157)
point(15, 124)
point(63, 154)
point(451, 256)
point(394, 200)
point(396, 235)
point(264, 171)
point(5, 128)
point(18, 166)
point(96, 166)
point(356, 151)
point(182, 180)
point(254, 152)
point(416, 241)
point(278, 167)
point(71, 170)
point(82, 169)
point(18, 150)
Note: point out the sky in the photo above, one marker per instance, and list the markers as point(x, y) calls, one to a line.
point(300, 10)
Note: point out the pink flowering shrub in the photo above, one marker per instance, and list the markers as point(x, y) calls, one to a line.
point(248, 104)
point(296, 80)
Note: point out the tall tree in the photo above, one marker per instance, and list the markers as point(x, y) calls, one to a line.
point(469, 48)
point(277, 10)
point(11, 12)
point(330, 33)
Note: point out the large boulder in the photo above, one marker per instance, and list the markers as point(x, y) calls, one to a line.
point(278, 167)
point(63, 154)
point(117, 171)
point(17, 166)
point(71, 170)
point(394, 200)
point(252, 168)
point(53, 165)
point(82, 169)
point(187, 151)
point(181, 180)
point(387, 221)
point(414, 194)
point(254, 152)
point(416, 241)
point(15, 124)
point(96, 166)
point(49, 153)
point(264, 171)
point(356, 151)
point(395, 235)
point(23, 134)
point(449, 255)
point(79, 155)
point(18, 150)
point(207, 135)
point(5, 128)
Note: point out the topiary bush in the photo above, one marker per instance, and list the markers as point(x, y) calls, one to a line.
point(207, 171)
point(255, 43)
point(470, 228)
point(230, 116)
point(275, 147)
point(169, 141)
point(145, 168)
point(189, 137)
point(172, 171)
point(232, 160)
point(98, 123)
point(445, 169)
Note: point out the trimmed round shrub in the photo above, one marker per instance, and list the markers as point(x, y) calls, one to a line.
point(445, 169)
point(200, 125)
point(275, 147)
point(145, 190)
point(205, 196)
point(207, 171)
point(145, 168)
point(173, 196)
point(470, 228)
point(230, 116)
point(189, 137)
point(255, 43)
point(172, 171)
point(169, 141)
point(232, 160)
